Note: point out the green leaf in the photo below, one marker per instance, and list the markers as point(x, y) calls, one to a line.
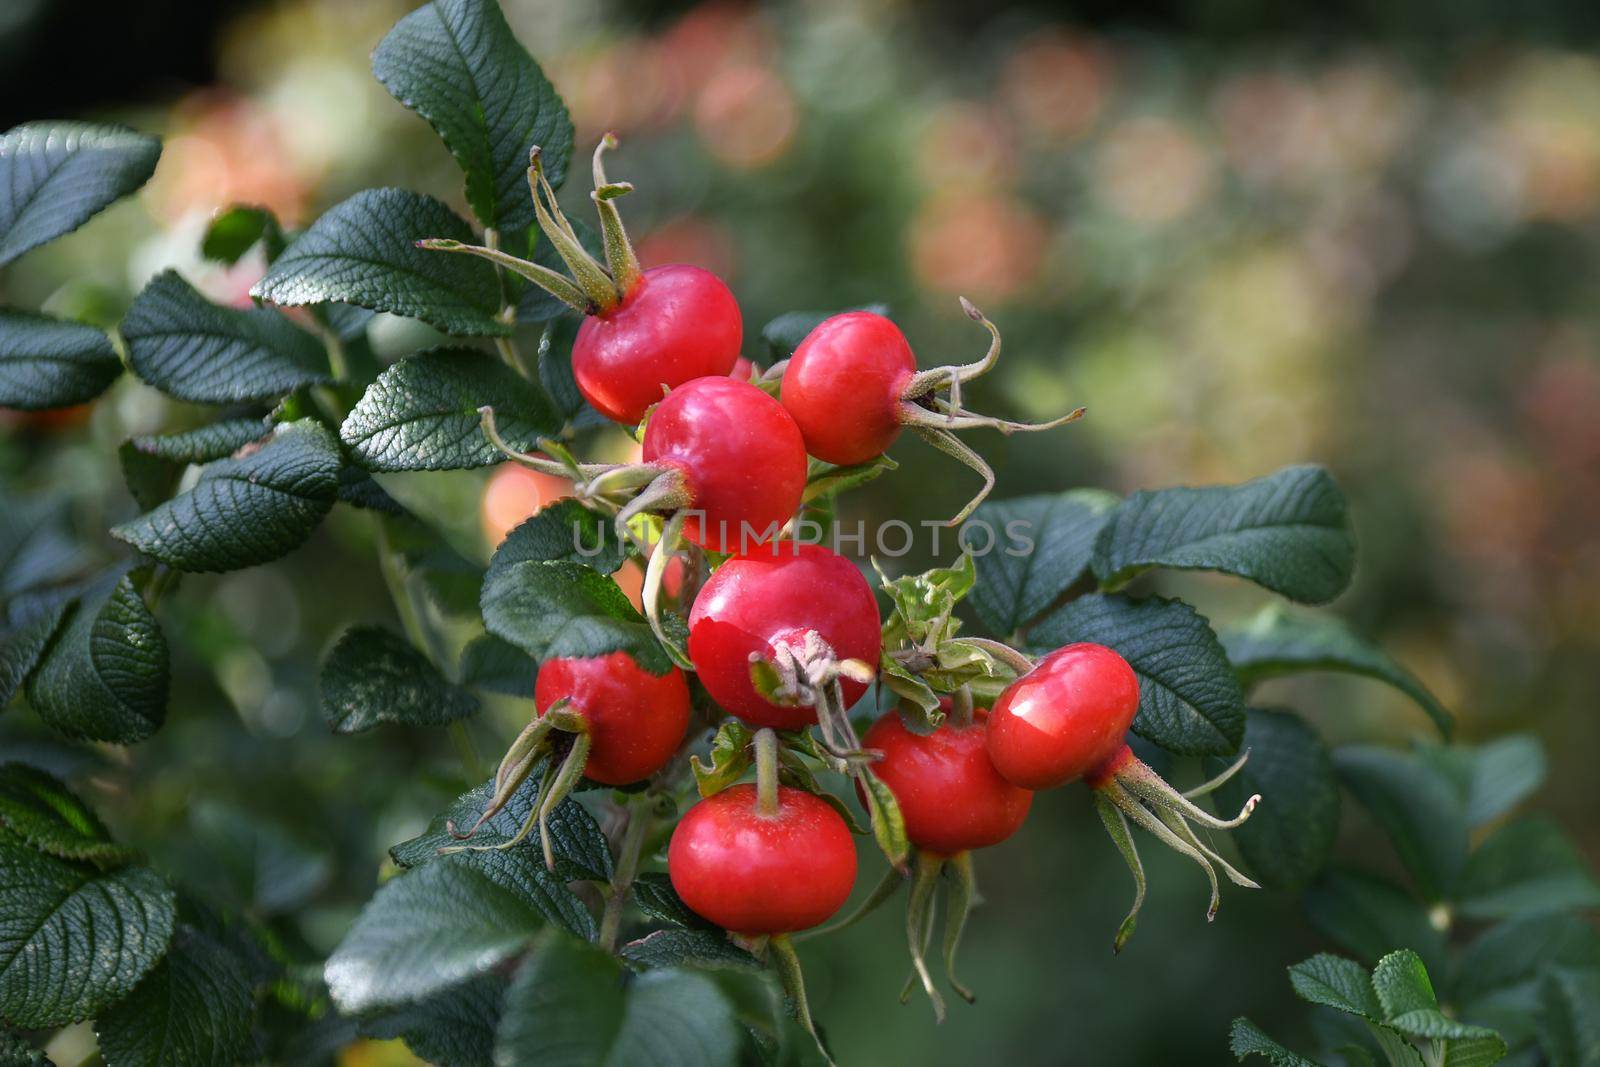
point(1526, 867)
point(1460, 1044)
point(1569, 1024)
point(1289, 837)
point(454, 1028)
point(654, 895)
point(363, 251)
point(1335, 982)
point(152, 466)
point(1287, 531)
point(1189, 700)
point(195, 1009)
point(1419, 810)
point(443, 923)
point(74, 939)
point(698, 948)
point(1515, 951)
point(190, 348)
point(15, 1052)
point(373, 676)
point(568, 1007)
point(730, 756)
point(1280, 641)
point(43, 812)
point(1246, 1039)
point(564, 530)
point(580, 848)
point(1041, 546)
point(238, 229)
point(1369, 916)
point(422, 413)
point(784, 333)
point(497, 666)
point(52, 363)
point(55, 176)
point(252, 863)
point(104, 677)
point(457, 64)
point(564, 609)
point(247, 510)
point(1402, 984)
point(360, 489)
point(21, 648)
point(1492, 778)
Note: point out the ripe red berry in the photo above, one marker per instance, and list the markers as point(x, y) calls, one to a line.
point(676, 324)
point(1065, 718)
point(741, 455)
point(636, 719)
point(773, 595)
point(843, 386)
point(762, 874)
point(949, 793)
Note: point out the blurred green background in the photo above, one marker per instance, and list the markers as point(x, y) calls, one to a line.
point(1243, 237)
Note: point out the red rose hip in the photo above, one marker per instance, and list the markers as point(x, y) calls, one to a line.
point(1064, 718)
point(636, 720)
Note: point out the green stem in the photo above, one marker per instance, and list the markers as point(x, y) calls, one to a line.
point(638, 814)
point(787, 963)
point(767, 771)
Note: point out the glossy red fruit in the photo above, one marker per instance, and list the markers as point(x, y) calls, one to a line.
point(636, 719)
point(770, 596)
point(951, 796)
point(762, 874)
point(1065, 718)
point(677, 324)
point(843, 386)
point(741, 456)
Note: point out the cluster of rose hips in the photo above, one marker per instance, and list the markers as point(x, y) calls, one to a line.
point(786, 637)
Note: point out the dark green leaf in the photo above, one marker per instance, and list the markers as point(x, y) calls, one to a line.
point(190, 348)
point(564, 530)
point(784, 333)
point(498, 666)
point(1279, 641)
point(1492, 778)
point(15, 1052)
point(252, 863)
point(1526, 867)
point(1040, 545)
point(373, 676)
point(438, 925)
point(1418, 809)
point(360, 489)
point(246, 510)
point(38, 549)
point(454, 1028)
point(1336, 982)
point(152, 466)
point(1516, 950)
point(363, 252)
point(52, 363)
point(1402, 984)
point(74, 939)
point(555, 362)
point(1569, 1024)
point(1287, 531)
point(1288, 838)
point(708, 949)
point(568, 1007)
point(238, 229)
point(21, 648)
point(1247, 1039)
point(47, 815)
point(535, 305)
point(565, 609)
point(457, 64)
point(1189, 700)
point(654, 895)
point(193, 1010)
point(580, 848)
point(104, 677)
point(55, 176)
point(422, 413)
point(1369, 916)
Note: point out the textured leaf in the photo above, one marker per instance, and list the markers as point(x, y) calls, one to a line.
point(497, 666)
point(568, 1007)
point(1526, 867)
point(1515, 951)
point(15, 1052)
point(1017, 580)
point(52, 363)
point(441, 924)
point(654, 895)
point(454, 1028)
point(1189, 700)
point(580, 848)
point(373, 676)
point(363, 251)
point(152, 466)
point(55, 176)
point(21, 648)
point(246, 510)
point(74, 939)
point(105, 675)
point(193, 1010)
point(1569, 1030)
point(238, 229)
point(565, 609)
point(1463, 1045)
point(360, 489)
point(1402, 984)
point(1279, 641)
point(1369, 916)
point(689, 948)
point(47, 815)
point(422, 413)
point(190, 348)
point(1493, 777)
point(564, 530)
point(1246, 1039)
point(1417, 808)
point(1335, 982)
point(1287, 531)
point(1288, 838)
point(457, 64)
